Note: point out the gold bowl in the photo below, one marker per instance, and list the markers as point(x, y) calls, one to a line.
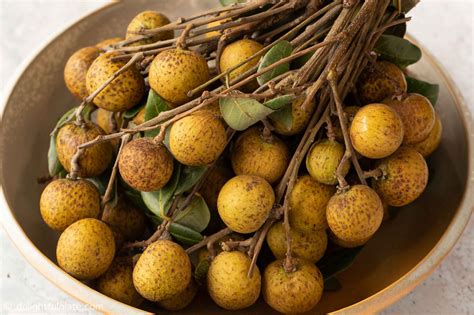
point(402, 254)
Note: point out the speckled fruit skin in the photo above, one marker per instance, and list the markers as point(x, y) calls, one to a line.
point(86, 249)
point(295, 292)
point(117, 282)
point(308, 201)
point(107, 42)
point(162, 271)
point(431, 143)
point(175, 72)
point(145, 165)
point(148, 20)
point(255, 155)
point(346, 244)
point(376, 131)
point(405, 177)
point(350, 111)
point(323, 160)
point(417, 115)
point(197, 139)
point(123, 93)
point(181, 300)
point(300, 118)
point(244, 203)
point(94, 160)
point(237, 52)
point(308, 246)
point(76, 69)
point(355, 215)
point(124, 216)
point(384, 81)
point(228, 284)
point(66, 201)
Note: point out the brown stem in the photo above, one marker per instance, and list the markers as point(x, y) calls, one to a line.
point(113, 174)
point(209, 239)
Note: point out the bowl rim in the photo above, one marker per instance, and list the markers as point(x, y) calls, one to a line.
point(372, 304)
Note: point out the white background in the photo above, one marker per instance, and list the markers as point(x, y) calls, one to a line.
point(445, 27)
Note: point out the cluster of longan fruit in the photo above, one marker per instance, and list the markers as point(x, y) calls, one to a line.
point(393, 133)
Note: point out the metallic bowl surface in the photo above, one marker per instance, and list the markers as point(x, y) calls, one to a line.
point(402, 254)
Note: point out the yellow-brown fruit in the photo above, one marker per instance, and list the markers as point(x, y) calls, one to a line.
point(254, 154)
point(405, 177)
point(228, 284)
point(346, 244)
point(162, 271)
point(417, 115)
point(117, 282)
point(383, 80)
point(65, 201)
point(148, 20)
point(237, 52)
point(308, 201)
point(213, 183)
point(431, 143)
point(107, 42)
point(104, 120)
point(323, 159)
point(140, 117)
point(244, 203)
point(294, 292)
point(94, 160)
point(355, 215)
point(204, 253)
point(175, 72)
point(123, 93)
point(350, 111)
point(124, 216)
point(181, 300)
point(76, 69)
point(86, 249)
point(376, 131)
point(145, 165)
point(308, 246)
point(197, 139)
point(300, 117)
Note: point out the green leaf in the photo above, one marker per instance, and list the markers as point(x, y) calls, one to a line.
point(154, 105)
point(185, 235)
point(159, 202)
point(397, 50)
point(279, 101)
point(200, 272)
point(338, 261)
point(54, 166)
point(396, 30)
point(284, 116)
point(196, 216)
point(332, 284)
point(99, 184)
point(189, 176)
point(131, 113)
point(281, 50)
point(429, 90)
point(406, 5)
point(241, 112)
point(229, 2)
point(136, 198)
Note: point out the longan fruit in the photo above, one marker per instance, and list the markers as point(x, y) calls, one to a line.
point(405, 177)
point(376, 131)
point(76, 69)
point(417, 115)
point(148, 20)
point(300, 117)
point(253, 154)
point(431, 143)
point(323, 159)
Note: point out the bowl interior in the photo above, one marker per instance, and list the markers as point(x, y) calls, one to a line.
point(40, 97)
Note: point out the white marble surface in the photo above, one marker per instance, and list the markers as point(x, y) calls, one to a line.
point(445, 27)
